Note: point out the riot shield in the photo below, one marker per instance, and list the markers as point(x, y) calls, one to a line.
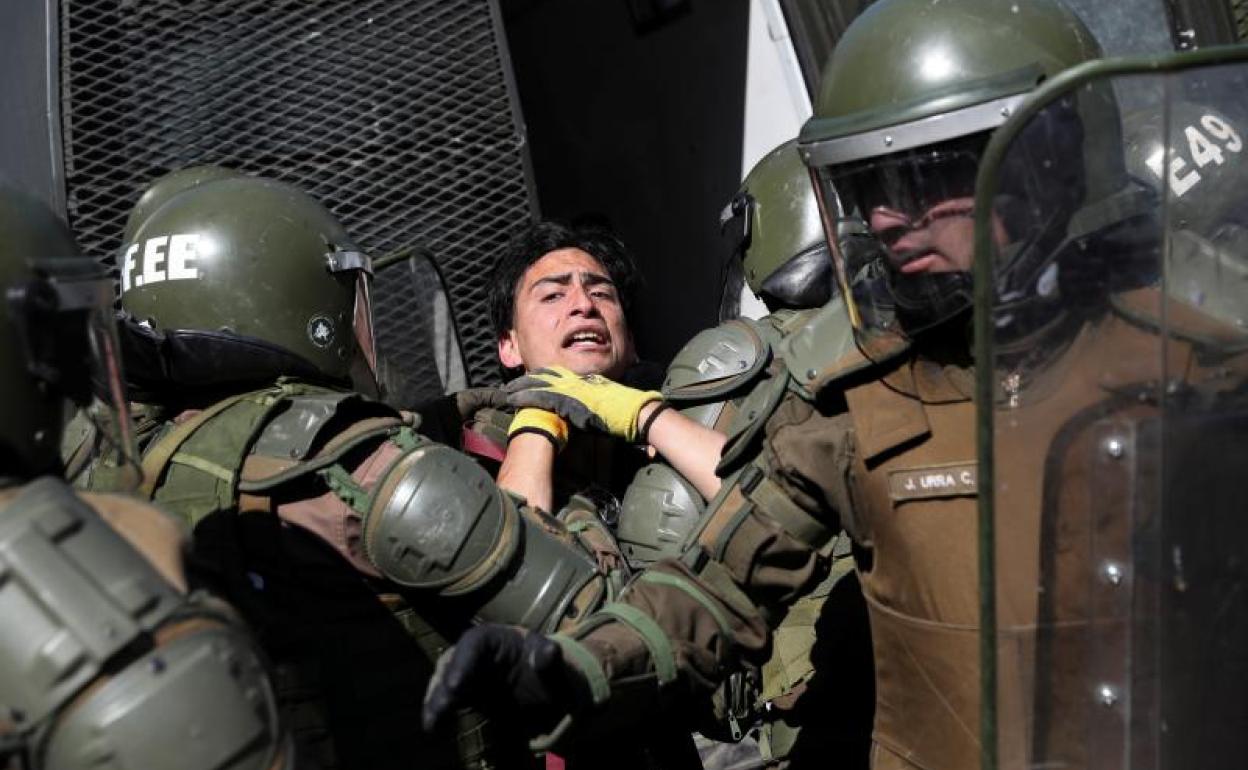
point(1111, 279)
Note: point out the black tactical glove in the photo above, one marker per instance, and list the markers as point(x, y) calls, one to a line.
point(503, 669)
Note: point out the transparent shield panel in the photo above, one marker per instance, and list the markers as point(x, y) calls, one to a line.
point(1192, 608)
point(428, 345)
point(1119, 369)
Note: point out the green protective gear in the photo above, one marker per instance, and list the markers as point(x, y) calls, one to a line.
point(904, 110)
point(112, 665)
point(169, 185)
point(439, 523)
point(1165, 148)
point(721, 379)
point(57, 337)
point(903, 62)
point(713, 366)
point(783, 251)
point(227, 468)
point(588, 401)
point(434, 521)
point(242, 280)
point(731, 378)
point(659, 510)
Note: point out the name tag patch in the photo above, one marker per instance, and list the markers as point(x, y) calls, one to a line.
point(952, 480)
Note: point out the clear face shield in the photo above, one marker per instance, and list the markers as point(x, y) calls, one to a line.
point(903, 234)
point(68, 328)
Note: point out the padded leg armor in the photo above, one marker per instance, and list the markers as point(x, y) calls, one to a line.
point(438, 522)
point(104, 664)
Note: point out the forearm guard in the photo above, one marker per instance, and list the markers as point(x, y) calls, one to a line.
point(103, 663)
point(437, 522)
point(683, 626)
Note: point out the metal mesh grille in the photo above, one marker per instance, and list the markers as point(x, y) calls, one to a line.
point(395, 114)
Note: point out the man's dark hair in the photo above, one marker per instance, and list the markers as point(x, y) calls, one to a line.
point(540, 239)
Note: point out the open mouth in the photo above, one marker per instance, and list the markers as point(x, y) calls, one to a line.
point(585, 339)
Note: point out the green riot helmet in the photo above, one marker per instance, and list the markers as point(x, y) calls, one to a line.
point(781, 245)
point(58, 340)
point(239, 281)
point(1192, 153)
point(905, 107)
point(168, 186)
point(1198, 160)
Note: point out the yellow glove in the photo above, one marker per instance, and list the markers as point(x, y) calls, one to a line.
point(548, 424)
point(588, 401)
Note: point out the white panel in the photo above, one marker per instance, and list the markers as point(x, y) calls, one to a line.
point(776, 102)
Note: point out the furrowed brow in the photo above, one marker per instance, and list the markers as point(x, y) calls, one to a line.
point(596, 279)
point(559, 279)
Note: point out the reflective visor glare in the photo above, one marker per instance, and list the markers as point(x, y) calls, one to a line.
point(910, 183)
point(909, 186)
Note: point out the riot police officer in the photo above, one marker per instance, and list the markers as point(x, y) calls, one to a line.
point(104, 658)
point(783, 255)
point(321, 513)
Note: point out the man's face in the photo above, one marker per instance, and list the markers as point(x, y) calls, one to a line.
point(940, 240)
point(568, 313)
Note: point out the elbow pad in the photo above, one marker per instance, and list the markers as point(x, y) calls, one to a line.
point(659, 511)
point(437, 522)
point(106, 664)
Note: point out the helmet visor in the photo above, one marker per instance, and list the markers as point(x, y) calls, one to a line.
point(65, 319)
point(919, 207)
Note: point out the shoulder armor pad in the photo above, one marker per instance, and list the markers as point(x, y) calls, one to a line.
point(208, 677)
point(79, 592)
point(716, 362)
point(320, 424)
point(712, 366)
point(823, 350)
point(293, 432)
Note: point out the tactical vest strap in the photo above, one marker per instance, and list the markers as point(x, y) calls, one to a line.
point(160, 454)
point(768, 497)
point(197, 468)
point(219, 472)
point(660, 647)
point(747, 428)
point(344, 487)
point(584, 660)
point(723, 516)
